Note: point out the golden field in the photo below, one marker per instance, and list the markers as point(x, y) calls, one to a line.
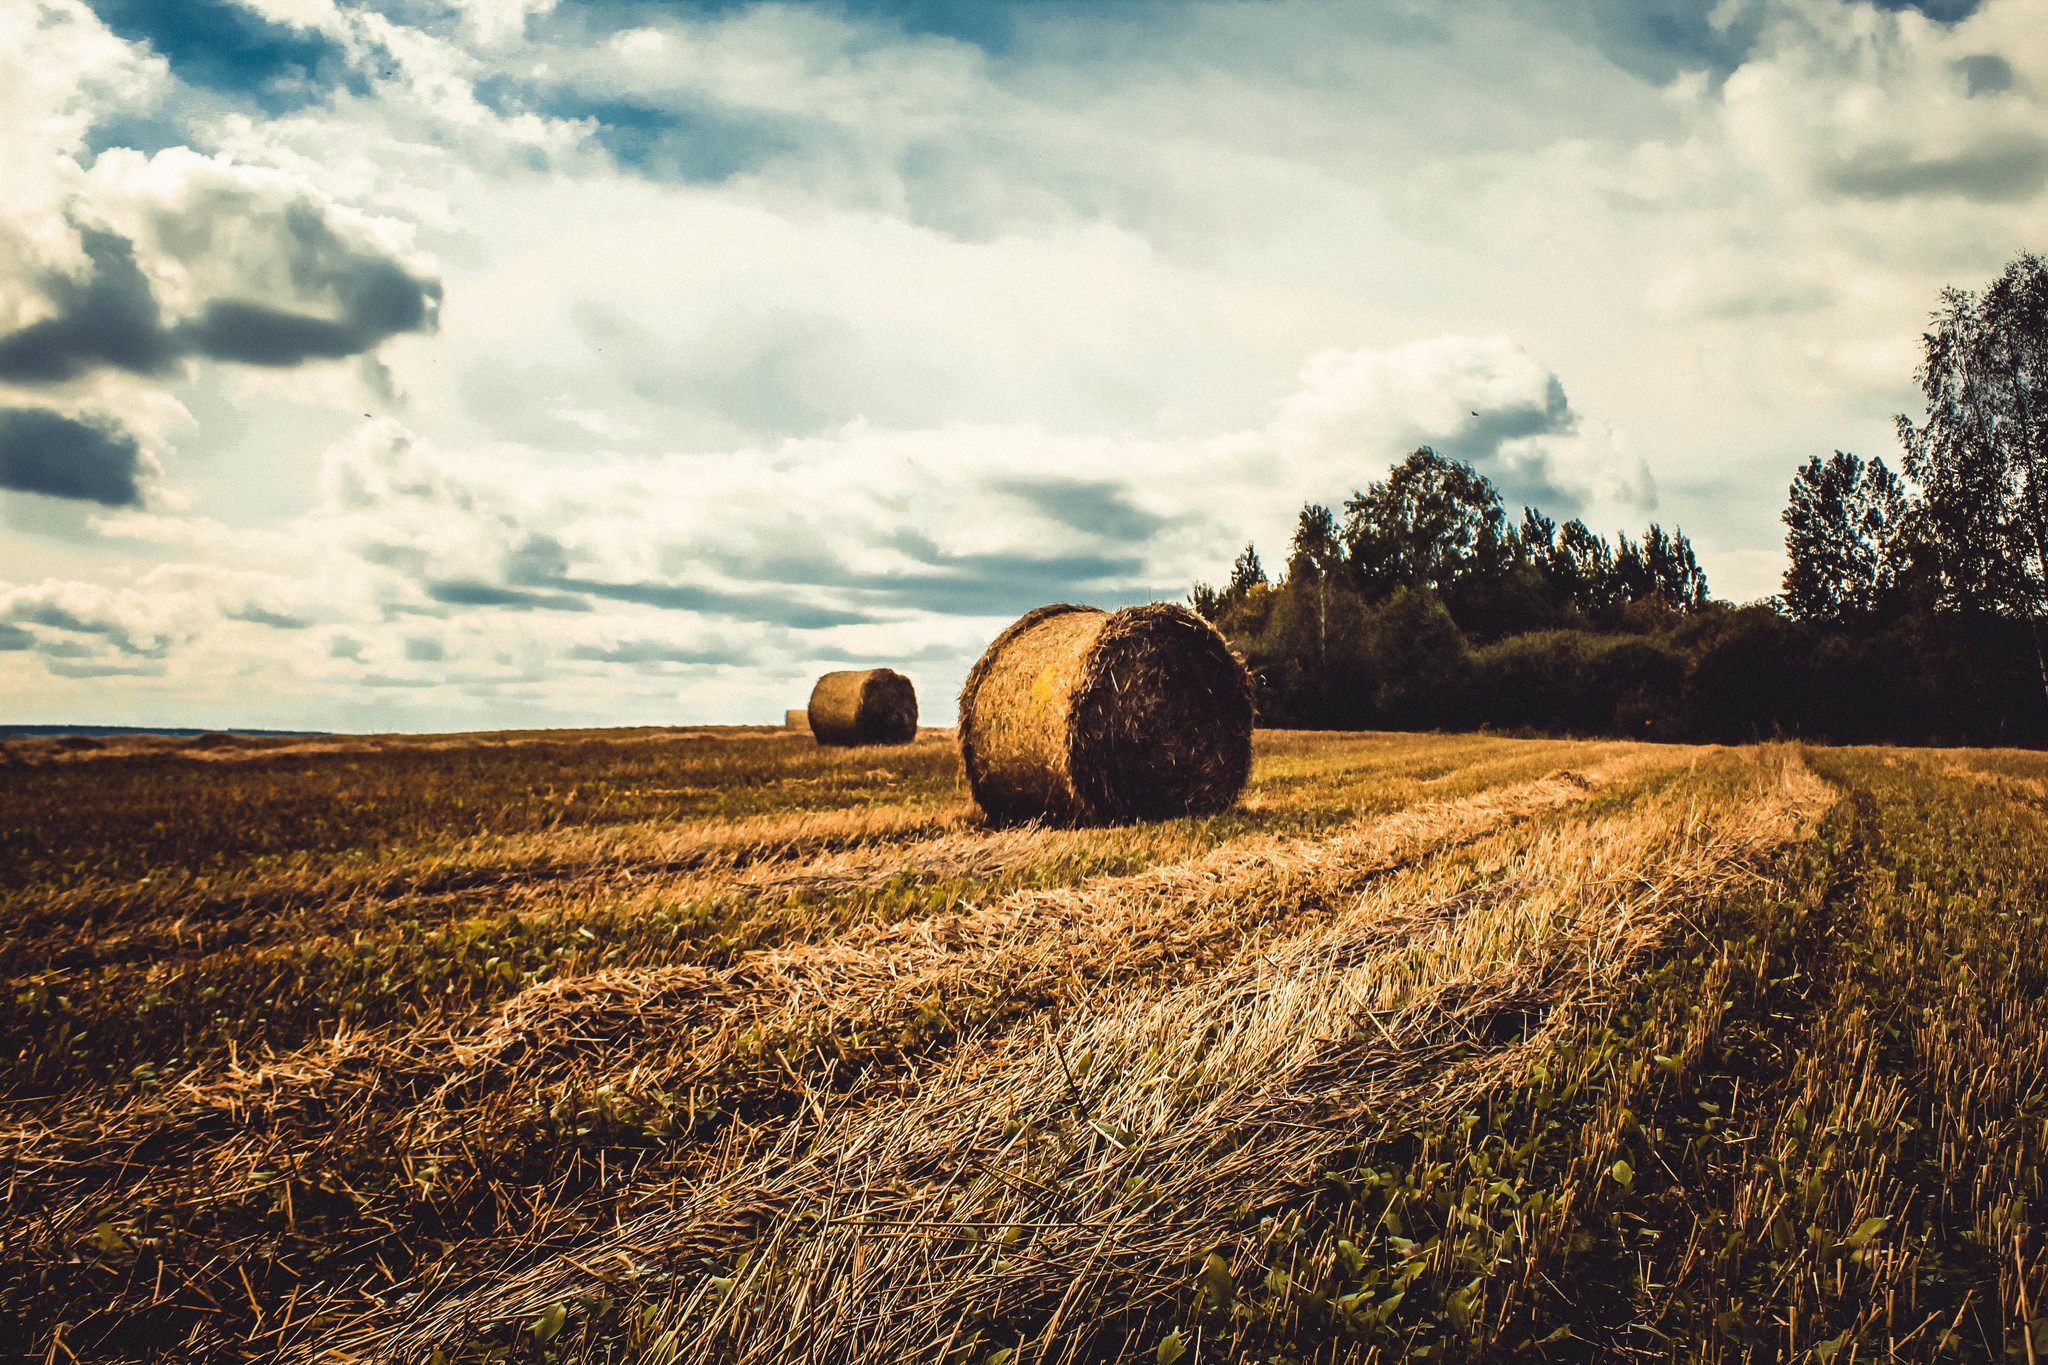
point(714, 1045)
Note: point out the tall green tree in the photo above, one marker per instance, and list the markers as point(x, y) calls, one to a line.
point(1981, 456)
point(1247, 573)
point(1315, 565)
point(1428, 524)
point(1842, 539)
point(1583, 567)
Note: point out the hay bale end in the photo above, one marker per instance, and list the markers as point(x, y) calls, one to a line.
point(1083, 716)
point(863, 706)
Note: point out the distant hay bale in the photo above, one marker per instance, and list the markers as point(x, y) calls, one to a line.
point(866, 706)
point(796, 720)
point(1084, 716)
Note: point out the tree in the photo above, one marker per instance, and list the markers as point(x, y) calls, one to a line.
point(1674, 573)
point(1661, 566)
point(1842, 538)
point(1428, 524)
point(1316, 559)
point(1981, 457)
point(1245, 574)
point(1583, 567)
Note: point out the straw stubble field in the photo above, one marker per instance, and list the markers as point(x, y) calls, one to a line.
point(717, 1046)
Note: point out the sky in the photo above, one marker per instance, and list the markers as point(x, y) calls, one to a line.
point(374, 365)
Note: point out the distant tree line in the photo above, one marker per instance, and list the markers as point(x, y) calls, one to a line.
point(1910, 609)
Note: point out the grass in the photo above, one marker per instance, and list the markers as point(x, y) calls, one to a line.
point(655, 1046)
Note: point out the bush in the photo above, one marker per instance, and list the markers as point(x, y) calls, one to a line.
point(1572, 682)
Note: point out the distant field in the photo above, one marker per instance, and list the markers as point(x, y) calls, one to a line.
point(714, 1045)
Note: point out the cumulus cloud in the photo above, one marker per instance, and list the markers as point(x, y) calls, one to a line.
point(82, 620)
point(1485, 401)
point(270, 274)
point(119, 271)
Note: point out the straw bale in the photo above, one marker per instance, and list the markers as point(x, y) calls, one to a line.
point(1083, 716)
point(864, 706)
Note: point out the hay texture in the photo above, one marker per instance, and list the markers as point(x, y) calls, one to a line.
point(1083, 716)
point(865, 706)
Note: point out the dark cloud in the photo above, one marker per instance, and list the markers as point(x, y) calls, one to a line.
point(424, 649)
point(229, 48)
point(91, 459)
point(110, 318)
point(1001, 28)
point(957, 584)
point(1098, 507)
point(946, 582)
point(764, 607)
point(973, 584)
point(375, 298)
point(465, 593)
point(63, 618)
point(982, 584)
point(2005, 169)
point(1985, 73)
point(656, 652)
point(261, 616)
point(540, 562)
point(345, 647)
point(64, 669)
point(1941, 11)
point(15, 638)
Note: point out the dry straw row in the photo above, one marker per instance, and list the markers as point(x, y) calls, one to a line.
point(675, 1027)
point(1121, 1142)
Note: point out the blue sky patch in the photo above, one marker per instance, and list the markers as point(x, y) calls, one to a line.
point(221, 46)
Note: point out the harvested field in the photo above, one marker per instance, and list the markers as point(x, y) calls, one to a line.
point(649, 1047)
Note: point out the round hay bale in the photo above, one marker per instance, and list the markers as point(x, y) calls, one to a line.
point(865, 706)
point(1083, 716)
